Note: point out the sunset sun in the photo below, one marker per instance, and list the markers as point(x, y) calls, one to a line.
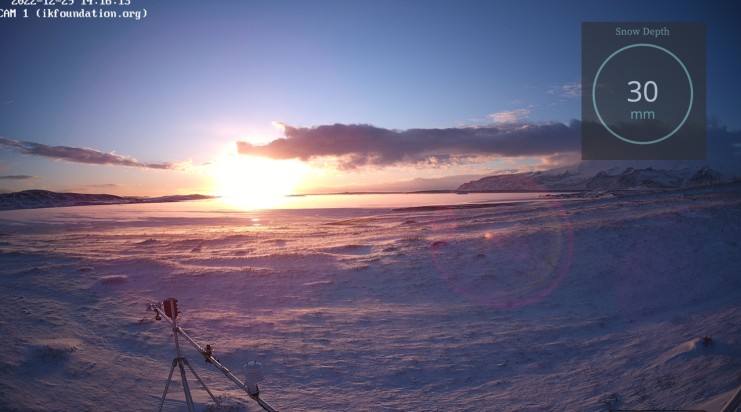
point(255, 182)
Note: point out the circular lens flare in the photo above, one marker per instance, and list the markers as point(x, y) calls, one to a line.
point(510, 256)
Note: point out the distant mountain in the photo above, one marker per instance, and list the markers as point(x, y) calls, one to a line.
point(594, 175)
point(34, 199)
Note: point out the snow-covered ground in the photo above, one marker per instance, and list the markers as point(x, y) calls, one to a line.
point(571, 305)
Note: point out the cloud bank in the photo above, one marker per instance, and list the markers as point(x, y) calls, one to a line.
point(78, 155)
point(357, 145)
point(16, 177)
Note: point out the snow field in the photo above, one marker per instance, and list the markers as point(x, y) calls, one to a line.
point(585, 304)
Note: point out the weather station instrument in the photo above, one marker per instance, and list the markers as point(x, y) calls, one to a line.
point(169, 310)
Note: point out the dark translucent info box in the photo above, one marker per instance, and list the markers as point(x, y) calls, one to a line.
point(643, 91)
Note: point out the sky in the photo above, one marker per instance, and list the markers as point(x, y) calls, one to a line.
point(225, 96)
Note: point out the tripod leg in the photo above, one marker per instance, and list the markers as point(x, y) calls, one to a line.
point(198, 378)
point(167, 385)
point(186, 388)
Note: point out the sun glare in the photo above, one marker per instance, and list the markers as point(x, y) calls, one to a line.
point(254, 182)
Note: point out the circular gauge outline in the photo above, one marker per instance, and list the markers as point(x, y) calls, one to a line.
point(594, 93)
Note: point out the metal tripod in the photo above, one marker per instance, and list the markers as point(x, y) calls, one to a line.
point(169, 311)
point(181, 361)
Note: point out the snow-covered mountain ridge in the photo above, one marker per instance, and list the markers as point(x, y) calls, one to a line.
point(34, 199)
point(593, 175)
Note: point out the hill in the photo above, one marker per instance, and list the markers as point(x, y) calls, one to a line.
point(596, 175)
point(34, 199)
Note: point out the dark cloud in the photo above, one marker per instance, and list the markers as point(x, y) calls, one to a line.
point(358, 145)
point(77, 155)
point(17, 177)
